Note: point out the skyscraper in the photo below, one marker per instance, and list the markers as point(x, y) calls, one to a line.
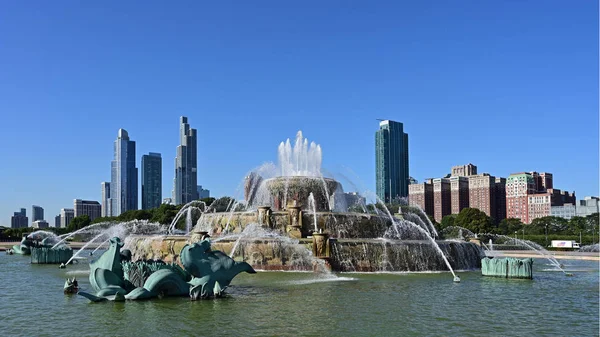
point(105, 199)
point(391, 157)
point(37, 213)
point(151, 180)
point(19, 219)
point(66, 215)
point(91, 208)
point(203, 193)
point(124, 173)
point(186, 175)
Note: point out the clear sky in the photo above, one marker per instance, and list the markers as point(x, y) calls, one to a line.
point(507, 85)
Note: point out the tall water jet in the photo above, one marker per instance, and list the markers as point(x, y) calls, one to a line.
point(311, 206)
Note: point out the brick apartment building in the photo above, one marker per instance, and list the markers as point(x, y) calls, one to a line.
point(442, 197)
point(530, 195)
point(461, 189)
point(421, 195)
point(459, 194)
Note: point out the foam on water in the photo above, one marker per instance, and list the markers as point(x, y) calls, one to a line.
point(322, 280)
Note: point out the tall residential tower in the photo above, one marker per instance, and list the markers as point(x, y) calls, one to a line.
point(391, 157)
point(186, 165)
point(124, 173)
point(151, 180)
point(106, 199)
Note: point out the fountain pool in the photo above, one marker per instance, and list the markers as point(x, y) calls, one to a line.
point(283, 304)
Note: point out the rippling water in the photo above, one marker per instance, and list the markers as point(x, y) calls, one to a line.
point(290, 304)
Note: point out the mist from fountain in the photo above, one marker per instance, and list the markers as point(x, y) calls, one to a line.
point(400, 223)
point(523, 243)
point(100, 246)
point(304, 256)
point(121, 230)
point(187, 209)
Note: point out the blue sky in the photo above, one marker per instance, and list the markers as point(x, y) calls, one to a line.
point(507, 85)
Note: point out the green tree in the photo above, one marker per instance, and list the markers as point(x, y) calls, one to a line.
point(222, 204)
point(592, 222)
point(447, 221)
point(164, 214)
point(577, 224)
point(555, 225)
point(509, 226)
point(474, 220)
point(79, 222)
point(208, 201)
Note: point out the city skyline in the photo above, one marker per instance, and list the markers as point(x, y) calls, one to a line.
point(515, 94)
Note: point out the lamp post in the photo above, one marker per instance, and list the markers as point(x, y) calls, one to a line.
point(546, 235)
point(523, 232)
point(515, 236)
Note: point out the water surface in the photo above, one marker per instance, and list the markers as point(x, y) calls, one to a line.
point(291, 304)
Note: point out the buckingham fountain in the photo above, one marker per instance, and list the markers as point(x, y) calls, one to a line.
point(295, 218)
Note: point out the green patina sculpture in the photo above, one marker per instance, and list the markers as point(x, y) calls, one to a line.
point(40, 245)
point(507, 267)
point(205, 274)
point(23, 247)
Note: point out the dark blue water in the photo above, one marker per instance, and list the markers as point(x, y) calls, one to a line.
point(291, 304)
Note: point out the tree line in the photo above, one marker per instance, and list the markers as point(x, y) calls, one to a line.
point(164, 215)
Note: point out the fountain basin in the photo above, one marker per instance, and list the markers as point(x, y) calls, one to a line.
point(347, 255)
point(296, 189)
point(340, 225)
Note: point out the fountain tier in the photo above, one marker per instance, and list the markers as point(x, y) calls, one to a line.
point(346, 255)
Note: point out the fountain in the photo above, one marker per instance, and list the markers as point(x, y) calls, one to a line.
point(296, 206)
point(44, 248)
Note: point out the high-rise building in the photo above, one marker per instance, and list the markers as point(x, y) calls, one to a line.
point(518, 187)
point(532, 195)
point(37, 213)
point(93, 209)
point(421, 195)
point(203, 193)
point(19, 219)
point(353, 198)
point(57, 221)
point(566, 211)
point(467, 189)
point(482, 193)
point(186, 170)
point(124, 173)
point(40, 224)
point(588, 206)
point(151, 180)
point(66, 215)
point(500, 198)
point(543, 181)
point(463, 170)
point(442, 198)
point(391, 159)
point(459, 193)
point(106, 211)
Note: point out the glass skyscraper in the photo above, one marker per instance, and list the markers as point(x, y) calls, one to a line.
point(391, 157)
point(124, 173)
point(37, 213)
point(151, 180)
point(186, 165)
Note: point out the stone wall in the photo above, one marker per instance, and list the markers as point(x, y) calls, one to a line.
point(340, 225)
point(361, 255)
